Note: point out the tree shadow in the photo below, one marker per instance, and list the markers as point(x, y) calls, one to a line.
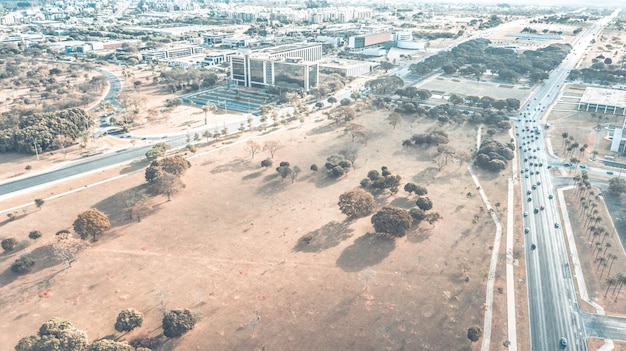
point(419, 234)
point(403, 202)
point(44, 258)
point(115, 206)
point(252, 175)
point(271, 176)
point(322, 129)
point(366, 251)
point(426, 176)
point(273, 187)
point(325, 181)
point(329, 235)
point(236, 165)
point(134, 166)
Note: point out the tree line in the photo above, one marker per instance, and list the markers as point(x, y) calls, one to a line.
point(58, 334)
point(37, 132)
point(475, 57)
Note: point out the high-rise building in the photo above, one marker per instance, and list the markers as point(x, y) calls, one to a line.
point(292, 66)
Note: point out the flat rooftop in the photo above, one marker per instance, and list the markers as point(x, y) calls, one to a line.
point(606, 97)
point(340, 63)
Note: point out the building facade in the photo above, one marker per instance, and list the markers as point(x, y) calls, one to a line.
point(292, 66)
point(172, 53)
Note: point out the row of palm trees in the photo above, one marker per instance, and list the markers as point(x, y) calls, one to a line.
point(597, 235)
point(570, 146)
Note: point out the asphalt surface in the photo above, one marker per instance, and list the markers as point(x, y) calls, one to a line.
point(552, 300)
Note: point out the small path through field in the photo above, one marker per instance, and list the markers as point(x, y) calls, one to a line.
point(494, 253)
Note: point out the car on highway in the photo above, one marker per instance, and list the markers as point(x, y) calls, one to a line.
point(609, 172)
point(533, 246)
point(530, 199)
point(542, 207)
point(563, 341)
point(526, 230)
point(536, 210)
point(525, 213)
point(550, 196)
point(582, 166)
point(557, 226)
point(528, 192)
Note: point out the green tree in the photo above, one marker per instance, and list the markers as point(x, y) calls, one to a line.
point(356, 203)
point(392, 220)
point(178, 322)
point(128, 320)
point(9, 244)
point(175, 165)
point(284, 170)
point(417, 214)
point(267, 163)
point(55, 334)
point(158, 150)
point(617, 186)
point(109, 345)
point(34, 234)
point(394, 119)
point(23, 264)
point(91, 223)
point(474, 334)
point(424, 203)
point(39, 203)
point(167, 184)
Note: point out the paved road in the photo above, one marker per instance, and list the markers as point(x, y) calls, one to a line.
point(553, 308)
point(75, 168)
point(604, 327)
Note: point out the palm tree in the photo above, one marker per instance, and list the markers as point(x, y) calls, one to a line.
point(609, 282)
point(564, 135)
point(621, 279)
point(604, 264)
point(597, 249)
point(601, 260)
point(598, 219)
point(612, 258)
point(607, 245)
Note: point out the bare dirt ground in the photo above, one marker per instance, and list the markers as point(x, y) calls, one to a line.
point(229, 246)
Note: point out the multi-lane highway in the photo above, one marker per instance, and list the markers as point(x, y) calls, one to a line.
point(554, 314)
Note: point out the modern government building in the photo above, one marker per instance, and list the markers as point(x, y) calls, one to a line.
point(292, 65)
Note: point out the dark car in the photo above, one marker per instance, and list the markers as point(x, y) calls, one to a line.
point(536, 210)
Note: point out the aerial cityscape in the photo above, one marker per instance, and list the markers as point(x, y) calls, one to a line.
point(312, 175)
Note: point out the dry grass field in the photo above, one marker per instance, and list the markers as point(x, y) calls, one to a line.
point(230, 247)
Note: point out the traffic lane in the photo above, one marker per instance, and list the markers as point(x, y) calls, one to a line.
point(92, 163)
